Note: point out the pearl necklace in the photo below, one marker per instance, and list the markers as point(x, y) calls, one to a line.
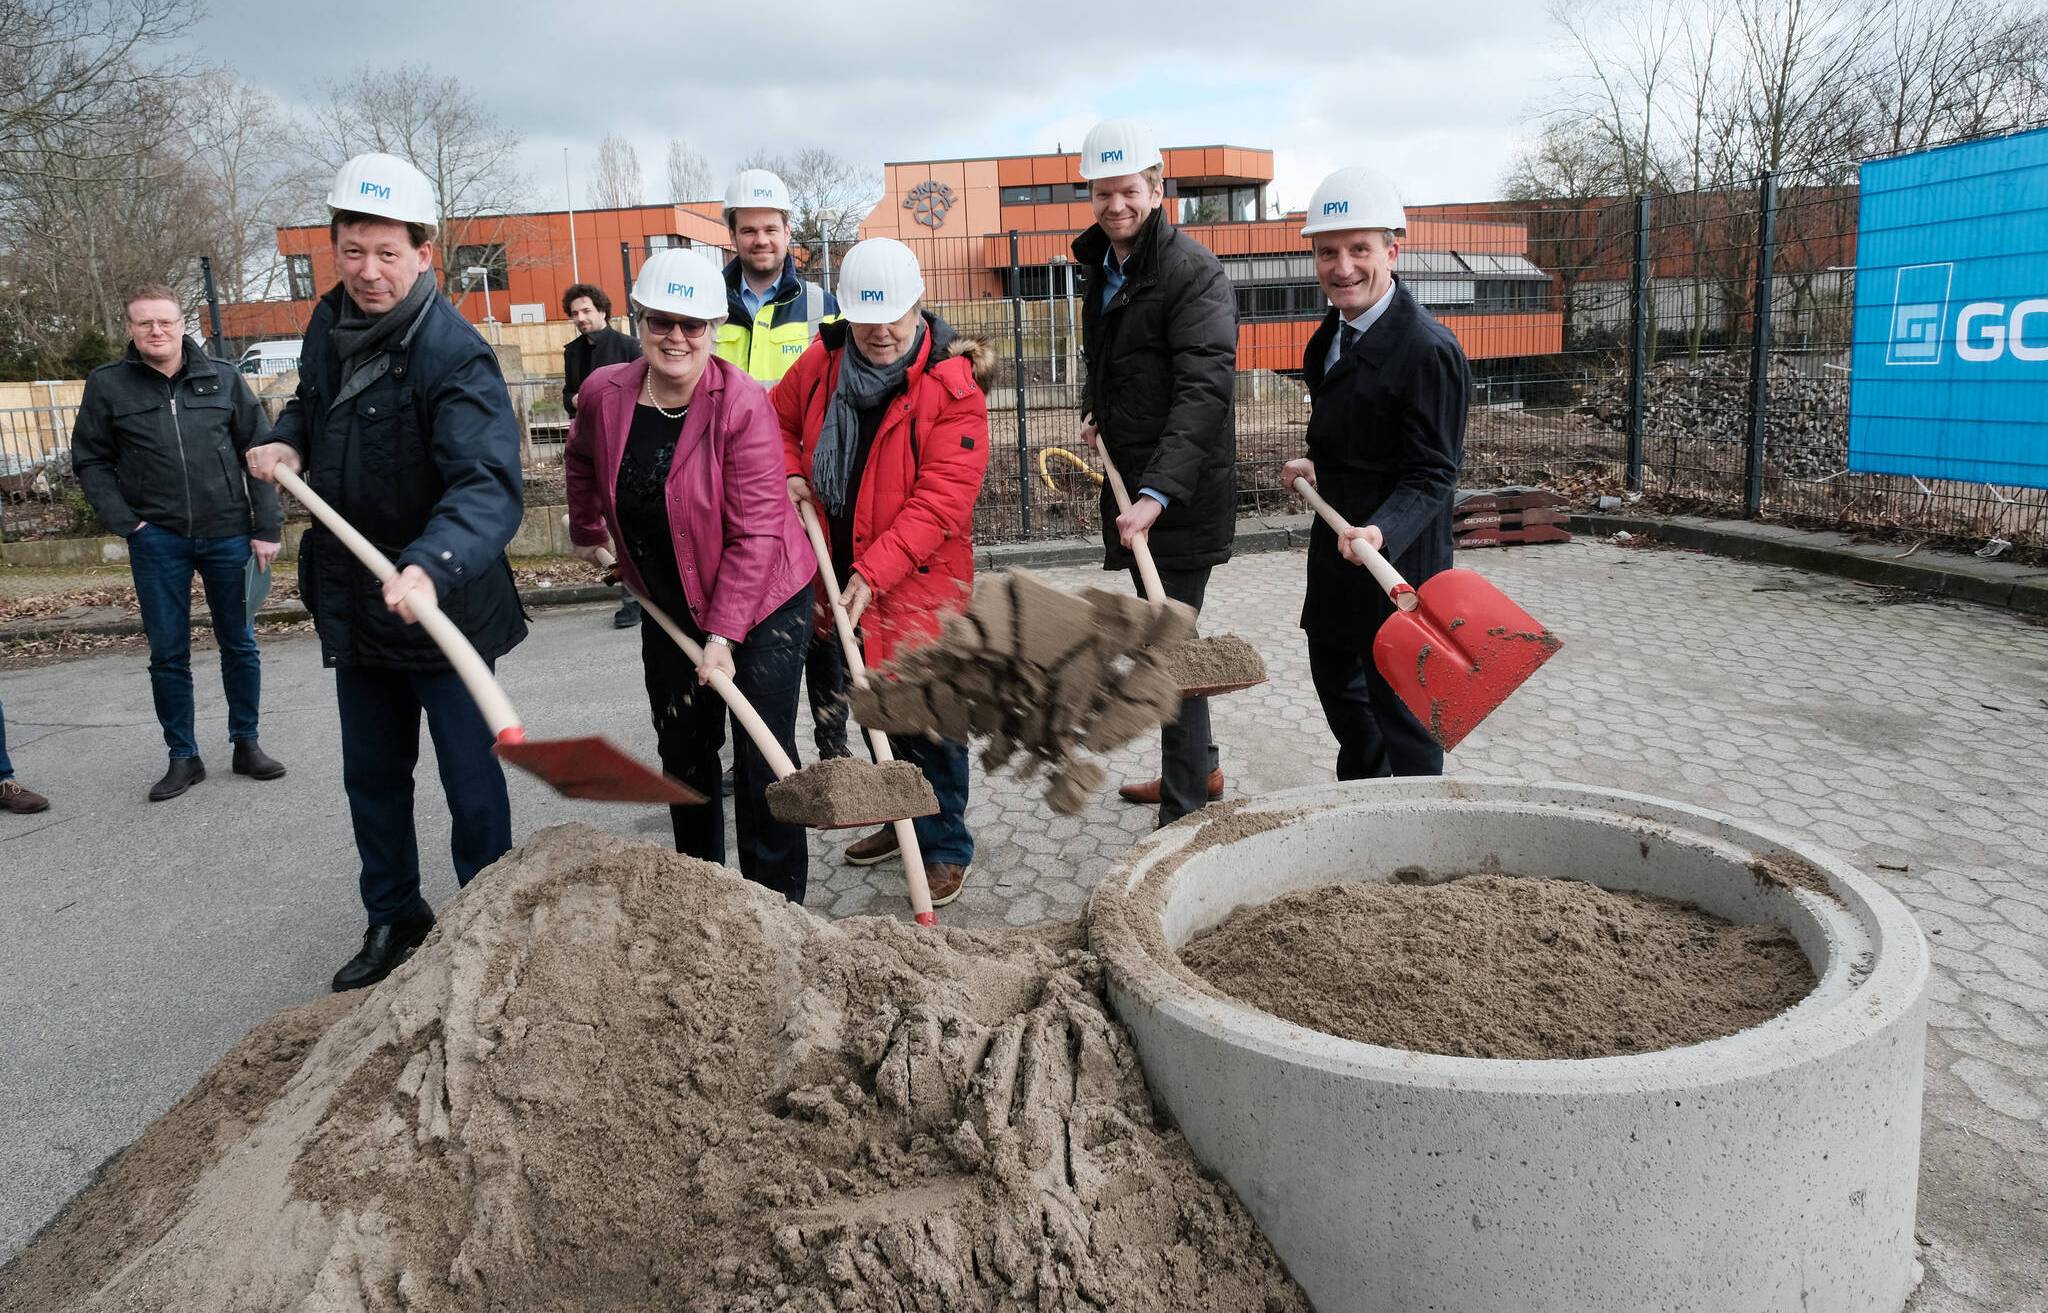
point(681, 411)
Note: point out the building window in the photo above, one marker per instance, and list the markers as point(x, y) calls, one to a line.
point(491, 257)
point(1044, 194)
point(1218, 204)
point(299, 269)
point(665, 242)
point(1281, 301)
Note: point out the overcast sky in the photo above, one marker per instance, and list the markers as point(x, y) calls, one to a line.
point(1437, 95)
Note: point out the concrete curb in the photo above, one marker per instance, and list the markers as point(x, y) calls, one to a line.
point(1942, 574)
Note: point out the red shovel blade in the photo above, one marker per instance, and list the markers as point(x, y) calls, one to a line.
point(1460, 653)
point(595, 768)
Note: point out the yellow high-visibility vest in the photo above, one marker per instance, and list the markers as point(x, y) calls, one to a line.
point(766, 349)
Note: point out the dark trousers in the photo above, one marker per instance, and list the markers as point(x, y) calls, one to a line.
point(944, 837)
point(6, 766)
point(689, 728)
point(163, 563)
point(1377, 735)
point(1187, 755)
point(825, 677)
point(380, 746)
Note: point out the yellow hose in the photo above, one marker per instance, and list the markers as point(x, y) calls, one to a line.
point(1079, 462)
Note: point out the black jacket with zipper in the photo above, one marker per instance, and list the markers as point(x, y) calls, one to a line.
point(169, 450)
point(1162, 363)
point(584, 355)
point(419, 450)
point(1386, 431)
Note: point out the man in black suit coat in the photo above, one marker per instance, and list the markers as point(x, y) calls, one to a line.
point(1389, 389)
point(595, 345)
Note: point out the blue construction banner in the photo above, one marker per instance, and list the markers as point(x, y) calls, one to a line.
point(1949, 372)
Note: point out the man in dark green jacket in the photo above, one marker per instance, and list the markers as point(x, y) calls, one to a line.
point(158, 448)
point(1159, 329)
point(403, 424)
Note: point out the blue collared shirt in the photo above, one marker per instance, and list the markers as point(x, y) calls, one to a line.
point(752, 302)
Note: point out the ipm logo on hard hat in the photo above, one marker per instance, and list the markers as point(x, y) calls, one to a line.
point(682, 289)
point(1111, 156)
point(872, 295)
point(373, 189)
point(1336, 207)
point(764, 193)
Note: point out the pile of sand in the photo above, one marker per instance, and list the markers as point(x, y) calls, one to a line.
point(1039, 674)
point(618, 1078)
point(1502, 966)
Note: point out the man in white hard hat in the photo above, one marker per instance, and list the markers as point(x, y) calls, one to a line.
point(772, 317)
point(1159, 329)
point(1389, 388)
point(403, 423)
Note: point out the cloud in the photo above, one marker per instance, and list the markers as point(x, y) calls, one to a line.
point(1436, 95)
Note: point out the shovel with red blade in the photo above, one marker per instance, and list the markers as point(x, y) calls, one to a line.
point(588, 767)
point(1456, 648)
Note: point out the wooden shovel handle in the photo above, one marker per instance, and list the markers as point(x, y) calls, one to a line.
point(1141, 547)
point(475, 675)
point(1383, 571)
point(742, 710)
point(906, 833)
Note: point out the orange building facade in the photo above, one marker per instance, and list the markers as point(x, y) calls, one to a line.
point(1473, 272)
point(984, 229)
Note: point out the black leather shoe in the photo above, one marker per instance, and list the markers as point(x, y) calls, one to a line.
point(628, 614)
point(183, 774)
point(253, 761)
point(385, 947)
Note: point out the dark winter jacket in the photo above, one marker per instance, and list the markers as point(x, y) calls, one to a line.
point(1387, 433)
point(1162, 361)
point(169, 450)
point(583, 355)
point(420, 452)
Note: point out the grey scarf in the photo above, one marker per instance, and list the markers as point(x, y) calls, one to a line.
point(358, 336)
point(862, 386)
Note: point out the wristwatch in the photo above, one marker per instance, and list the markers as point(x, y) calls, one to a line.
point(719, 639)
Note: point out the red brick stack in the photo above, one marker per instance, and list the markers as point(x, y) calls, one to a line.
point(1508, 517)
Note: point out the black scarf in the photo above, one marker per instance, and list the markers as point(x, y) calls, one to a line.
point(862, 387)
point(357, 336)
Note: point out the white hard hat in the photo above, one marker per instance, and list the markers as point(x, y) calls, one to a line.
point(387, 187)
point(680, 281)
point(756, 189)
point(1355, 198)
point(1115, 147)
point(879, 282)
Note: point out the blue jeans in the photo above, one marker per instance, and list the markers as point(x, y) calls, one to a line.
point(944, 837)
point(6, 766)
point(163, 563)
point(689, 728)
point(380, 746)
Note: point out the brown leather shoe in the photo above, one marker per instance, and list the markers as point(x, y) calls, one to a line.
point(945, 879)
point(14, 798)
point(877, 847)
point(1148, 792)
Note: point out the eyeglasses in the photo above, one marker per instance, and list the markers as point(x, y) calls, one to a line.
point(160, 325)
point(657, 325)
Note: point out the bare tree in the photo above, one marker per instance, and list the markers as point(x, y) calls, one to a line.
point(434, 122)
point(617, 182)
point(244, 142)
point(689, 174)
point(70, 64)
point(830, 196)
point(1943, 70)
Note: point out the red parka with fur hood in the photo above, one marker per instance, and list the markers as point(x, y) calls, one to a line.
point(913, 515)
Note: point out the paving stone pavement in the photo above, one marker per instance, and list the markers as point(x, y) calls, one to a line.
point(1910, 736)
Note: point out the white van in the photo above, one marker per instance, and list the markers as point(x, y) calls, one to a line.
point(267, 358)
